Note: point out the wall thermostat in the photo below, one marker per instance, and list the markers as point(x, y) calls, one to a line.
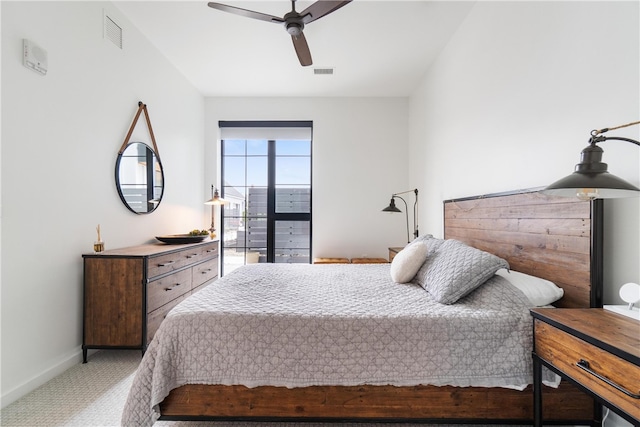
point(34, 57)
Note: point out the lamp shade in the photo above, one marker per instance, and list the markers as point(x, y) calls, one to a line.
point(216, 199)
point(392, 207)
point(592, 180)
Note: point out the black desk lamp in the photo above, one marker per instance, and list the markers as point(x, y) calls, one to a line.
point(392, 208)
point(591, 180)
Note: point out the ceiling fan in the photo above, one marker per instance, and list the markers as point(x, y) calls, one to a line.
point(293, 21)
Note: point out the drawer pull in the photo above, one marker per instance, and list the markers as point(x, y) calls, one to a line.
point(166, 263)
point(192, 256)
point(206, 271)
point(585, 365)
point(170, 288)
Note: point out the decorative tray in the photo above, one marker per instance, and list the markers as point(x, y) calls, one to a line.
point(179, 239)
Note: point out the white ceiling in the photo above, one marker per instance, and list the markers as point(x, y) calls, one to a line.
point(377, 48)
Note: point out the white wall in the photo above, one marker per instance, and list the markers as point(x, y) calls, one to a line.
point(359, 160)
point(60, 137)
point(511, 100)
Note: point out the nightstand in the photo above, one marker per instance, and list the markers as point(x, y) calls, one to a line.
point(595, 349)
point(393, 251)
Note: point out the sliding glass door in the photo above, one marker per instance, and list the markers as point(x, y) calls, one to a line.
point(267, 184)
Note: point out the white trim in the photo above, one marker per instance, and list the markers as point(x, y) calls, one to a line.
point(275, 133)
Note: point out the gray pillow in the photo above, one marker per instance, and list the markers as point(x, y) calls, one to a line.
point(456, 269)
point(433, 244)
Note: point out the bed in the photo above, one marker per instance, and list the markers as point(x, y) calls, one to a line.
point(552, 238)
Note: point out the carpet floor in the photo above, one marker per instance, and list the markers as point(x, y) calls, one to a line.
point(93, 395)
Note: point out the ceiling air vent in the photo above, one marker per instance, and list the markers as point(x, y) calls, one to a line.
point(323, 71)
point(112, 31)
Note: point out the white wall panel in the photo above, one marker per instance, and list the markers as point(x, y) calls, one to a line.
point(60, 137)
point(510, 103)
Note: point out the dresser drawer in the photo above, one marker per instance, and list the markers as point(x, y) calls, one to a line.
point(200, 253)
point(155, 318)
point(161, 291)
point(209, 251)
point(572, 355)
point(157, 266)
point(205, 272)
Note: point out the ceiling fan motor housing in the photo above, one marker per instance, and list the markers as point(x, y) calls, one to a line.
point(293, 23)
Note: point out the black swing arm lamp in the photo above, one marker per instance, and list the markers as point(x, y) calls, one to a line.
point(591, 180)
point(392, 208)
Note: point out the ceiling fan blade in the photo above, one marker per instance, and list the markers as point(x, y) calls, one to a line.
point(321, 8)
point(245, 12)
point(302, 49)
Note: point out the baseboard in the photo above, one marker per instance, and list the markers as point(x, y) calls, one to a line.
point(28, 386)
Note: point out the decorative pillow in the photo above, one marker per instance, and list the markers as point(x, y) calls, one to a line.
point(457, 269)
point(539, 291)
point(433, 244)
point(407, 262)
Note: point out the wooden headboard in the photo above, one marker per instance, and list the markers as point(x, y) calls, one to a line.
point(556, 238)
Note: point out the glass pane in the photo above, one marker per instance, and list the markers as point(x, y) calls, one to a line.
point(290, 256)
point(234, 171)
point(234, 258)
point(256, 233)
point(256, 255)
point(257, 202)
point(251, 234)
point(292, 235)
point(293, 199)
point(234, 147)
point(256, 171)
point(288, 148)
point(233, 194)
point(231, 227)
point(293, 170)
point(257, 147)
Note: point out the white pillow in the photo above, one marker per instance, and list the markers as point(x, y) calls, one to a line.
point(407, 262)
point(539, 291)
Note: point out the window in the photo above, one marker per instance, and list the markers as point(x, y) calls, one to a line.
point(266, 176)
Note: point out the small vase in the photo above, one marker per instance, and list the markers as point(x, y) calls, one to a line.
point(98, 246)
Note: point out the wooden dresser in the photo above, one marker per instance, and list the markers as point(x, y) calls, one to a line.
point(596, 349)
point(129, 291)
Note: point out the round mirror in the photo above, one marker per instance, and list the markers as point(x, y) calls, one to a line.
point(139, 178)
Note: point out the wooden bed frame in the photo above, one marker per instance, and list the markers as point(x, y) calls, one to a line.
point(554, 238)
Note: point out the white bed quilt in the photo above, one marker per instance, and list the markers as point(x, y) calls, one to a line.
point(340, 324)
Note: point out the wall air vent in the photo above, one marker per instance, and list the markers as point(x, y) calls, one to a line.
point(323, 71)
point(112, 31)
